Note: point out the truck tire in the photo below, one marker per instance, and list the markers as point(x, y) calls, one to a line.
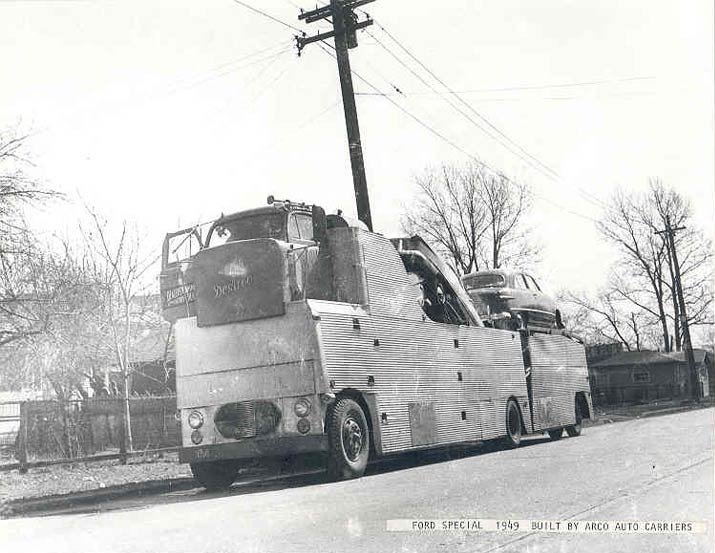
point(349, 440)
point(215, 475)
point(575, 430)
point(513, 425)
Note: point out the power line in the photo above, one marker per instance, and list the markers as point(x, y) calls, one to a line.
point(453, 144)
point(546, 170)
point(467, 105)
point(539, 166)
point(264, 14)
point(272, 56)
point(178, 85)
point(412, 116)
point(534, 87)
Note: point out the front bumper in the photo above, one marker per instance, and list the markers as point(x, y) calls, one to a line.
point(253, 448)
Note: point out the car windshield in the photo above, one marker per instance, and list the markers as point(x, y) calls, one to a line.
point(472, 282)
point(265, 225)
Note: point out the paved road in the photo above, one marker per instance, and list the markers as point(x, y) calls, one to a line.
point(657, 469)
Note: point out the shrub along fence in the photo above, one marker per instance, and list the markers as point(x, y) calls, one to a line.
point(38, 433)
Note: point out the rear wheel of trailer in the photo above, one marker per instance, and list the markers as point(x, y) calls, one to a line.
point(513, 425)
point(349, 439)
point(575, 430)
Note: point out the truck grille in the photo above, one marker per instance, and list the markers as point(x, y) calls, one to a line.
point(236, 420)
point(246, 419)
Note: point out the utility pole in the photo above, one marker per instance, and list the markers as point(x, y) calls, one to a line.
point(345, 23)
point(687, 344)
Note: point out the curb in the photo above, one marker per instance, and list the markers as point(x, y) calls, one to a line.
point(18, 507)
point(615, 417)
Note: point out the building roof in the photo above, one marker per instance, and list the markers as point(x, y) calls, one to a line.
point(634, 358)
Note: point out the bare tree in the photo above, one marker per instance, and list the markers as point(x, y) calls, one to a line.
point(473, 216)
point(121, 261)
point(23, 263)
point(605, 318)
point(639, 304)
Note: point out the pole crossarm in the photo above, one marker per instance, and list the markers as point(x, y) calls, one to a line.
point(345, 24)
point(302, 42)
point(327, 11)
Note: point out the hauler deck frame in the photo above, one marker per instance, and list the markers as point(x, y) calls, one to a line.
point(336, 339)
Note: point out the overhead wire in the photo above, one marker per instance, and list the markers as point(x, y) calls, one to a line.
point(178, 85)
point(450, 142)
point(268, 16)
point(532, 87)
point(533, 162)
point(275, 53)
point(495, 129)
point(322, 45)
point(547, 171)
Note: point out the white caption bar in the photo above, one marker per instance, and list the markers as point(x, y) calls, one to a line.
point(564, 526)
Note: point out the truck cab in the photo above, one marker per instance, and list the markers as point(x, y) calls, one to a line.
point(282, 221)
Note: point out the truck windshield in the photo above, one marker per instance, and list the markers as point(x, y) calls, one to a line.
point(265, 225)
point(483, 281)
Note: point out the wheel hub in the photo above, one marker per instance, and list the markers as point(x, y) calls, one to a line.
point(352, 439)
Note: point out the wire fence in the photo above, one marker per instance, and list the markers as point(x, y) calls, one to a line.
point(36, 433)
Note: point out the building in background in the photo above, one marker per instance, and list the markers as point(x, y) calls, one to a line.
point(643, 376)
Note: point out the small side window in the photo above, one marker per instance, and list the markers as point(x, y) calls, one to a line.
point(520, 282)
point(305, 226)
point(293, 232)
point(531, 283)
point(180, 247)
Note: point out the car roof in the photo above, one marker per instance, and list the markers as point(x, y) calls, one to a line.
point(501, 272)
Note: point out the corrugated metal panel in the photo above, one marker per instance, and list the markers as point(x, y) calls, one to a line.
point(417, 361)
point(390, 293)
point(558, 371)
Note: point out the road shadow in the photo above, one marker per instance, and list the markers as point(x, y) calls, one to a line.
point(281, 474)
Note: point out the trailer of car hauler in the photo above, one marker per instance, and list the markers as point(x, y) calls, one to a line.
point(304, 333)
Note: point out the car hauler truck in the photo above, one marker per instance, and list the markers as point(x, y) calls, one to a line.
point(298, 332)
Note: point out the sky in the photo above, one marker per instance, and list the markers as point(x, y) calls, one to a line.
point(168, 113)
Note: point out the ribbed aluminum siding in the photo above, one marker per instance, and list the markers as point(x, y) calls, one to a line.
point(417, 361)
point(390, 293)
point(558, 371)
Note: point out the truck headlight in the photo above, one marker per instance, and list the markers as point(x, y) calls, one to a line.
point(196, 419)
point(302, 407)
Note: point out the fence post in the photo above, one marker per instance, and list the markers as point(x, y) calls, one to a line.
point(122, 435)
point(22, 438)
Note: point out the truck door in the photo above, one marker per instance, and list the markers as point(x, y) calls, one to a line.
point(178, 295)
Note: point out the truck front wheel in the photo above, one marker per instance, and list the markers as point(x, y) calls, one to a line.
point(349, 439)
point(215, 475)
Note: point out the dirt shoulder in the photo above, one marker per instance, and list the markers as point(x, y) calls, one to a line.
point(59, 480)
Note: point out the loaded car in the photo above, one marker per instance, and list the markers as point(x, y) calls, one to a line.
point(511, 299)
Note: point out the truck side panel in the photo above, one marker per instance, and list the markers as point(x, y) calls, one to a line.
point(558, 372)
point(435, 383)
